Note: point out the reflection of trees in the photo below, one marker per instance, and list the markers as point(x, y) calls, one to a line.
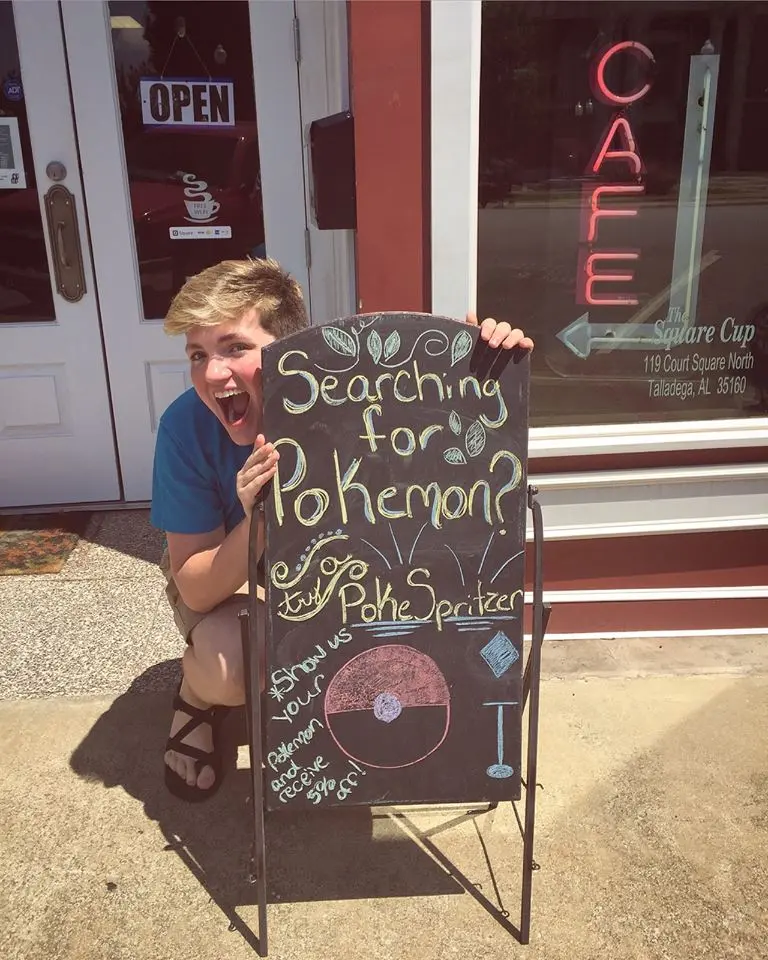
point(516, 102)
point(208, 24)
point(534, 72)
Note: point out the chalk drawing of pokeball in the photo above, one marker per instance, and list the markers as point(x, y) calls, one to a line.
point(388, 707)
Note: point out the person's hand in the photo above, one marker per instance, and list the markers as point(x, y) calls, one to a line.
point(257, 470)
point(502, 335)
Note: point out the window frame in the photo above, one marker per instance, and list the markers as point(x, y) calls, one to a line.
point(455, 115)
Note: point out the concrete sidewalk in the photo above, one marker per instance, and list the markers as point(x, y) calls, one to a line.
point(652, 827)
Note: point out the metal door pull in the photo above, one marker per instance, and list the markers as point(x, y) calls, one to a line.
point(60, 249)
point(64, 236)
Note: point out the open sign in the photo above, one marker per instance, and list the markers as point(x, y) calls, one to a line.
point(189, 103)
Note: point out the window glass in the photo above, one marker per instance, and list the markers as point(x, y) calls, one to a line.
point(623, 192)
point(25, 282)
point(185, 83)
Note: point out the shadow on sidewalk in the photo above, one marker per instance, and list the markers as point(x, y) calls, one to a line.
point(328, 855)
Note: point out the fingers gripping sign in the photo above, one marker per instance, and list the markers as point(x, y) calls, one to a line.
point(257, 471)
point(500, 333)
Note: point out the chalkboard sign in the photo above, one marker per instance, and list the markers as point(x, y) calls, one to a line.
point(395, 544)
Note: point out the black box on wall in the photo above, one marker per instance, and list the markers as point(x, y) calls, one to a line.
point(332, 150)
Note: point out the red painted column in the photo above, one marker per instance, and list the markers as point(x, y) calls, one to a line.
point(389, 81)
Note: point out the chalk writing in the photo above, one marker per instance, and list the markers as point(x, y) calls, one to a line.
point(305, 603)
point(372, 603)
point(357, 596)
point(293, 707)
point(296, 779)
point(285, 750)
point(453, 502)
point(406, 386)
point(395, 550)
point(341, 789)
point(285, 679)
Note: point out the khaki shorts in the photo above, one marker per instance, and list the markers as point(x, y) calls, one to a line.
point(187, 619)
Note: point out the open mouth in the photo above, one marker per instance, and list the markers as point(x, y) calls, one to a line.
point(234, 405)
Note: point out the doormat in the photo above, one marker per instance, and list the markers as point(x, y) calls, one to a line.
point(39, 543)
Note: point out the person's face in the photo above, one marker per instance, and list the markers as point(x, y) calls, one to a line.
point(226, 373)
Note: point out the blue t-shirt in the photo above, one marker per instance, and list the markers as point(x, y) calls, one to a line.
point(196, 462)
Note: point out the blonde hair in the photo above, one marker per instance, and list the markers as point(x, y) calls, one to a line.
point(225, 291)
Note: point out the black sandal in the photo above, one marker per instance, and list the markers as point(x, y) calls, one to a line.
point(213, 716)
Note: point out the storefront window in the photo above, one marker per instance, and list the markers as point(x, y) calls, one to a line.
point(623, 195)
point(185, 84)
point(25, 283)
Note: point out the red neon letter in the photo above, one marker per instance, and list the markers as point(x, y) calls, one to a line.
point(601, 88)
point(620, 126)
point(598, 211)
point(617, 300)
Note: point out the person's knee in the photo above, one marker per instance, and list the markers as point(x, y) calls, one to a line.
point(216, 659)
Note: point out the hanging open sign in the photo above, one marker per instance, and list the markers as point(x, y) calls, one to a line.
point(185, 102)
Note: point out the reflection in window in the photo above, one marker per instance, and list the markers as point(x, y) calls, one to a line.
point(159, 156)
point(25, 283)
point(194, 184)
point(624, 205)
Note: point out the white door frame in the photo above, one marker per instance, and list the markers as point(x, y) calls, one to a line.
point(584, 504)
point(56, 442)
point(147, 369)
point(277, 118)
point(301, 68)
point(324, 91)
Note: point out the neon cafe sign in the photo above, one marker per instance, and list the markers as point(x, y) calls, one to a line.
point(599, 268)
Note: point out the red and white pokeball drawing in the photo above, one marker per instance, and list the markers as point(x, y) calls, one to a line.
point(388, 707)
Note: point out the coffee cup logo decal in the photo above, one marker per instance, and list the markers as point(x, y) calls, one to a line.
point(201, 206)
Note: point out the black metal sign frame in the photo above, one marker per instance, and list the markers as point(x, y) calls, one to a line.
point(257, 639)
point(254, 642)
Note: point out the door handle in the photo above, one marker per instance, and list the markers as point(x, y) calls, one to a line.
point(64, 238)
point(61, 250)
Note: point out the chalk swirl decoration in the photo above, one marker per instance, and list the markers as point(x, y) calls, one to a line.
point(434, 343)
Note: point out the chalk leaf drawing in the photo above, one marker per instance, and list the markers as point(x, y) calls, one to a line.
point(454, 455)
point(374, 346)
point(340, 341)
point(462, 344)
point(475, 439)
point(391, 345)
point(454, 422)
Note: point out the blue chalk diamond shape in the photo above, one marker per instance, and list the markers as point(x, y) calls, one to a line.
point(499, 653)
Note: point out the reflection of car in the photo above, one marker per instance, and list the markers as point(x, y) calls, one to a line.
point(497, 178)
point(565, 172)
point(223, 159)
point(25, 290)
point(192, 178)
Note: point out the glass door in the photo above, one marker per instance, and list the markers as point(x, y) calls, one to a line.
point(191, 154)
point(56, 442)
